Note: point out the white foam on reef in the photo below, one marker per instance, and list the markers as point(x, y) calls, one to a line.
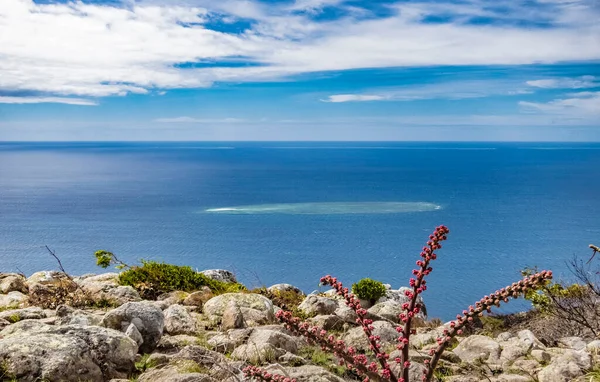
point(329, 208)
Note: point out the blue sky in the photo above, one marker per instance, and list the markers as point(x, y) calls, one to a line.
point(300, 70)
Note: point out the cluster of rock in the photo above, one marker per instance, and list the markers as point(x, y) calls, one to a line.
point(189, 337)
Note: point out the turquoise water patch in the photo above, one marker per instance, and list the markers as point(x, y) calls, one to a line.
point(328, 208)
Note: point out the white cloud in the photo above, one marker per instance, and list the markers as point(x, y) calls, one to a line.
point(65, 100)
point(87, 49)
point(584, 103)
point(198, 120)
point(566, 83)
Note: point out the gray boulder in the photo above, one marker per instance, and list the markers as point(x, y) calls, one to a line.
point(327, 322)
point(256, 309)
point(356, 337)
point(186, 371)
point(228, 341)
point(47, 278)
point(147, 318)
point(178, 320)
point(13, 282)
point(67, 353)
point(575, 343)
point(514, 348)
point(199, 297)
point(276, 338)
point(390, 310)
point(222, 275)
point(314, 304)
point(284, 288)
point(306, 373)
point(106, 287)
point(66, 315)
point(478, 347)
point(399, 296)
point(12, 300)
point(33, 313)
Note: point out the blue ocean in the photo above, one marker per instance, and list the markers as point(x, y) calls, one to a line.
point(293, 212)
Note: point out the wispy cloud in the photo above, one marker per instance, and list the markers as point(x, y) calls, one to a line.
point(65, 100)
point(582, 82)
point(198, 120)
point(89, 49)
point(353, 98)
point(451, 90)
point(579, 103)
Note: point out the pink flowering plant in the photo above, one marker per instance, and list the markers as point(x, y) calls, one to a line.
point(378, 367)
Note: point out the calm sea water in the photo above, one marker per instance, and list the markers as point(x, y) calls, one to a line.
point(507, 205)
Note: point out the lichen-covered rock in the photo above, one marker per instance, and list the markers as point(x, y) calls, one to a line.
point(32, 313)
point(221, 275)
point(178, 320)
point(232, 318)
point(575, 343)
point(593, 347)
point(13, 282)
point(259, 308)
point(12, 300)
point(316, 305)
point(306, 373)
point(276, 338)
point(356, 337)
point(284, 288)
point(148, 319)
point(512, 378)
point(327, 322)
point(415, 370)
point(390, 310)
point(400, 297)
point(177, 372)
point(106, 287)
point(514, 348)
point(47, 278)
point(559, 372)
point(174, 297)
point(169, 343)
point(527, 335)
point(541, 355)
point(228, 341)
point(566, 365)
point(257, 354)
point(66, 353)
point(476, 347)
point(199, 297)
point(66, 315)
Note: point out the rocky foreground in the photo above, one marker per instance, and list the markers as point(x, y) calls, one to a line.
point(198, 337)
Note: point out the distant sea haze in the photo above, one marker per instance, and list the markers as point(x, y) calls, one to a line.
point(293, 212)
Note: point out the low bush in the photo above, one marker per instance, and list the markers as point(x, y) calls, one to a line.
point(153, 278)
point(369, 290)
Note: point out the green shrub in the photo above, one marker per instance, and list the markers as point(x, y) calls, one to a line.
point(369, 289)
point(152, 279)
